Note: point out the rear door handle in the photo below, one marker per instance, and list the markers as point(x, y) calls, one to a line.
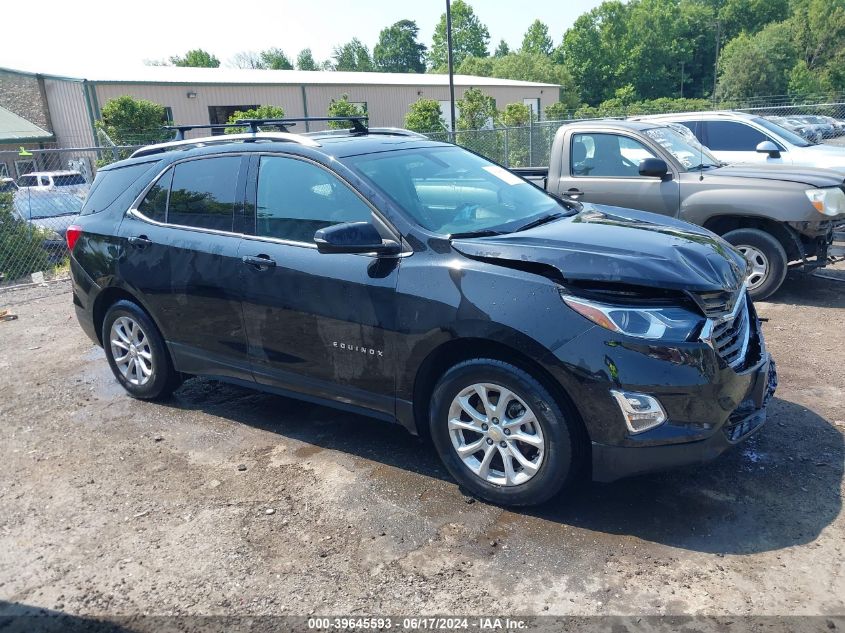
point(140, 241)
point(574, 193)
point(261, 262)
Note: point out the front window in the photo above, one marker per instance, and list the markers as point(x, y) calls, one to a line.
point(451, 191)
point(690, 154)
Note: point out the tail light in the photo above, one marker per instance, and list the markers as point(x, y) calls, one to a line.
point(74, 232)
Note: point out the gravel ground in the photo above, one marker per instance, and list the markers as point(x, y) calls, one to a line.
point(228, 501)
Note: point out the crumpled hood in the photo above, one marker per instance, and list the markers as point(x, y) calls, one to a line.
point(612, 244)
point(811, 176)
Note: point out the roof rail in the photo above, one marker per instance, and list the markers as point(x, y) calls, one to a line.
point(227, 138)
point(358, 126)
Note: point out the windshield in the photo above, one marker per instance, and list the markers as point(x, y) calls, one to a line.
point(691, 154)
point(448, 190)
point(28, 181)
point(790, 137)
point(44, 205)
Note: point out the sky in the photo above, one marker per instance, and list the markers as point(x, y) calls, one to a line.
point(101, 35)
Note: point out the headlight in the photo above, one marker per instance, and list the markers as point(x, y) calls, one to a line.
point(828, 201)
point(669, 324)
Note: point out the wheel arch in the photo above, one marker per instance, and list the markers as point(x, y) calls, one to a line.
point(455, 351)
point(107, 298)
point(722, 224)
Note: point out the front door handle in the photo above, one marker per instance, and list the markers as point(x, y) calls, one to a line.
point(574, 193)
point(139, 241)
point(260, 262)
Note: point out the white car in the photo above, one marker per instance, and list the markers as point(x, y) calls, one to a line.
point(57, 181)
point(739, 137)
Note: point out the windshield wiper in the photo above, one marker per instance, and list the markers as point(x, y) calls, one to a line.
point(702, 166)
point(539, 221)
point(481, 233)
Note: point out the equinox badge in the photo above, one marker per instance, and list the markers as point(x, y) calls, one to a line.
point(357, 348)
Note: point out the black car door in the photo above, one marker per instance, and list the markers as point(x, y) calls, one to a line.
point(180, 257)
point(318, 324)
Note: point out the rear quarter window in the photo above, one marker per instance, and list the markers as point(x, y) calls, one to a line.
point(109, 184)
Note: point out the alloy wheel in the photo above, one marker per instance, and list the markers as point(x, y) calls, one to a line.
point(759, 265)
point(131, 351)
point(496, 435)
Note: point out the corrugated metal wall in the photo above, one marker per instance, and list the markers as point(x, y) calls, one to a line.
point(69, 112)
point(386, 105)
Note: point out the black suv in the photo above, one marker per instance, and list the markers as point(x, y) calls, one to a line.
point(411, 280)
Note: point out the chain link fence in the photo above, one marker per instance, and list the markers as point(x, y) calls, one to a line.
point(41, 191)
point(818, 121)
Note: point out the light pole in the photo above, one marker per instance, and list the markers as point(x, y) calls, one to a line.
point(682, 80)
point(716, 63)
point(451, 70)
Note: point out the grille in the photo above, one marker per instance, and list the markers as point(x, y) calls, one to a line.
point(730, 335)
point(715, 303)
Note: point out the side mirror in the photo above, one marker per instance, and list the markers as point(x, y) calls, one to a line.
point(354, 237)
point(653, 168)
point(767, 147)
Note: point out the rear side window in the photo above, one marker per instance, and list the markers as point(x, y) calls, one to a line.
point(68, 180)
point(109, 184)
point(154, 205)
point(297, 198)
point(729, 136)
point(202, 194)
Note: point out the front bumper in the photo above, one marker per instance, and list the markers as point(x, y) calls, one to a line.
point(615, 462)
point(709, 405)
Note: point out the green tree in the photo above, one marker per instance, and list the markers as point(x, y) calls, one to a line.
point(305, 60)
point(477, 110)
point(754, 65)
point(736, 16)
point(536, 40)
point(261, 112)
point(557, 111)
point(818, 28)
point(352, 56)
point(398, 50)
point(196, 58)
point(469, 37)
point(343, 107)
point(425, 116)
point(130, 121)
point(516, 114)
point(275, 59)
point(502, 49)
point(524, 67)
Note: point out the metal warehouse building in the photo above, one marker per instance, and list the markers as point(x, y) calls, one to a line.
point(65, 108)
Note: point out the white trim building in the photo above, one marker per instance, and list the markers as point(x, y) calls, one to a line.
point(207, 95)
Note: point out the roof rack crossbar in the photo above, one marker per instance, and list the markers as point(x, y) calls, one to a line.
point(358, 127)
point(181, 129)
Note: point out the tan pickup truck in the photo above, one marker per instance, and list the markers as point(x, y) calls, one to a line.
point(779, 217)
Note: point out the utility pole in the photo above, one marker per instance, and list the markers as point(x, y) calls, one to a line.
point(716, 63)
point(451, 69)
point(682, 80)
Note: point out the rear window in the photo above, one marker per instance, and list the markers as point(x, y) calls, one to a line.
point(28, 181)
point(109, 184)
point(68, 180)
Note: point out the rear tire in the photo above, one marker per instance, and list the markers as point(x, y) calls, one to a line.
point(529, 431)
point(136, 352)
point(766, 257)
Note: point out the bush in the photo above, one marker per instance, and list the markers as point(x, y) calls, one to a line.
point(261, 112)
point(21, 251)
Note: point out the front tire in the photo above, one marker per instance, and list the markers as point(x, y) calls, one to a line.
point(501, 434)
point(766, 257)
point(136, 352)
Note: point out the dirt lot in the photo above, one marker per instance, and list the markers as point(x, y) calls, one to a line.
point(226, 501)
